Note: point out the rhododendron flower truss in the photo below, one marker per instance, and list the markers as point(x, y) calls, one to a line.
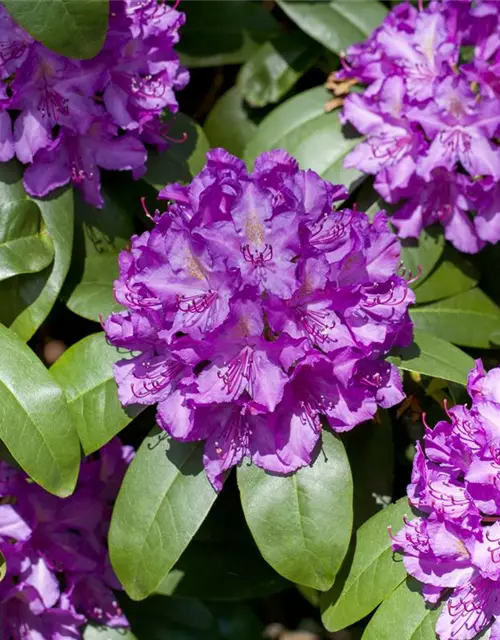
point(67, 119)
point(430, 118)
point(454, 548)
point(58, 572)
point(255, 308)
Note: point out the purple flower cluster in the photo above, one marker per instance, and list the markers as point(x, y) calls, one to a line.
point(58, 571)
point(454, 549)
point(257, 308)
point(67, 118)
point(431, 117)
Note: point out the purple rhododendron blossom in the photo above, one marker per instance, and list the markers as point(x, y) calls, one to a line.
point(67, 119)
point(58, 572)
point(454, 547)
point(254, 308)
point(430, 113)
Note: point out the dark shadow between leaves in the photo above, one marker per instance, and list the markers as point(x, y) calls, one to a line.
point(329, 598)
point(11, 172)
point(294, 47)
point(311, 2)
point(107, 228)
point(172, 165)
point(460, 261)
point(222, 562)
point(350, 132)
point(217, 27)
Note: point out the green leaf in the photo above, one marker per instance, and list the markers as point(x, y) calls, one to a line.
point(373, 574)
point(434, 357)
point(454, 274)
point(27, 250)
point(24, 246)
point(182, 160)
point(467, 319)
point(37, 427)
point(85, 373)
point(229, 124)
point(404, 615)
point(302, 523)
point(338, 23)
point(57, 214)
point(276, 67)
point(72, 28)
point(421, 256)
point(162, 502)
point(317, 139)
point(93, 296)
point(92, 632)
point(220, 32)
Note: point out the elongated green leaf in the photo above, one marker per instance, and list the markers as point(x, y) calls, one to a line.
point(93, 295)
point(182, 160)
point(338, 23)
point(404, 615)
point(163, 501)
point(276, 67)
point(107, 633)
point(302, 523)
point(434, 357)
point(85, 373)
point(374, 572)
point(421, 256)
point(35, 423)
point(57, 214)
point(24, 246)
point(454, 274)
point(467, 319)
point(229, 124)
point(317, 139)
point(73, 28)
point(220, 32)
